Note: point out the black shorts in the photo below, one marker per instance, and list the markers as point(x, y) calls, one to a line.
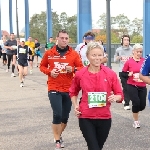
point(22, 62)
point(31, 59)
point(14, 52)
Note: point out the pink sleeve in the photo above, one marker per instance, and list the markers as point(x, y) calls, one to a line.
point(116, 87)
point(126, 67)
point(75, 86)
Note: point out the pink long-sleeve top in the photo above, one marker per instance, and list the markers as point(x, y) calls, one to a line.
point(134, 66)
point(104, 81)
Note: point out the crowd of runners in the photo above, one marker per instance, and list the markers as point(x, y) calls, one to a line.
point(84, 69)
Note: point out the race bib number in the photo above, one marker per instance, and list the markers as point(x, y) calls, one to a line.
point(124, 58)
point(136, 77)
point(22, 50)
point(60, 67)
point(86, 63)
point(97, 99)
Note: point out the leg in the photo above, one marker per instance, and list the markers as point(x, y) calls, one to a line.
point(9, 57)
point(102, 131)
point(124, 86)
point(88, 130)
point(20, 73)
point(135, 101)
point(56, 104)
point(66, 108)
point(25, 71)
point(142, 95)
point(13, 63)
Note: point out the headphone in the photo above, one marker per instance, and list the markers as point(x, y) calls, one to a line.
point(123, 38)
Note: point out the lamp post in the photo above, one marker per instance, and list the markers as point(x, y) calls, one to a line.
point(17, 25)
point(108, 32)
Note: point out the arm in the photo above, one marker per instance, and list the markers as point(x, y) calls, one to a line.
point(73, 92)
point(78, 63)
point(117, 90)
point(105, 59)
point(116, 56)
point(125, 70)
point(6, 46)
point(44, 64)
point(145, 70)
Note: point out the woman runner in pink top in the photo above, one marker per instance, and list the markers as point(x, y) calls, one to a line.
point(136, 88)
point(97, 83)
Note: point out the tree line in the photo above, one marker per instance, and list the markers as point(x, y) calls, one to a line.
point(120, 25)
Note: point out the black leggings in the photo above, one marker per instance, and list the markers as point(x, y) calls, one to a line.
point(124, 86)
point(138, 97)
point(95, 132)
point(4, 57)
point(10, 58)
point(61, 105)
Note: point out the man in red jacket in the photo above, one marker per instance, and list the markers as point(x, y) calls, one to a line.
point(59, 64)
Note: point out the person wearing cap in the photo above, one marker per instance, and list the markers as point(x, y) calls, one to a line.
point(37, 51)
point(82, 48)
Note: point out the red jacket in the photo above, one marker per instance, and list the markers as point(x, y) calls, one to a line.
point(104, 81)
point(52, 60)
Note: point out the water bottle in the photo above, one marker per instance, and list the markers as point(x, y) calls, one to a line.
point(149, 98)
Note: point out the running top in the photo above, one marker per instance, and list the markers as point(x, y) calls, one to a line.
point(133, 66)
point(53, 60)
point(31, 46)
point(145, 70)
point(23, 52)
point(92, 86)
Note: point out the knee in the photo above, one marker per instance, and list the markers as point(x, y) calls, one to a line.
point(135, 109)
point(142, 107)
point(64, 120)
point(57, 118)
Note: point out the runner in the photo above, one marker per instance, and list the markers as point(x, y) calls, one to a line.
point(11, 46)
point(37, 51)
point(136, 88)
point(59, 64)
point(82, 48)
point(122, 54)
point(96, 82)
point(3, 49)
point(23, 54)
point(31, 45)
point(50, 44)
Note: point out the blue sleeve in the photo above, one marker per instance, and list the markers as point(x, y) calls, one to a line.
point(145, 70)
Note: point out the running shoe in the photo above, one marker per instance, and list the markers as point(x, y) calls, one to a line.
point(136, 124)
point(57, 146)
point(13, 75)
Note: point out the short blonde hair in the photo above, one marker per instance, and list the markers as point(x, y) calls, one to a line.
point(91, 45)
point(137, 46)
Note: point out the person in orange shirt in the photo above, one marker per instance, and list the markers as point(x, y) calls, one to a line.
point(59, 64)
point(31, 45)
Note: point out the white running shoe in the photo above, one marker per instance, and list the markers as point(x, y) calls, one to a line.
point(123, 102)
point(7, 70)
point(126, 107)
point(136, 124)
point(13, 75)
point(31, 72)
point(21, 85)
point(61, 142)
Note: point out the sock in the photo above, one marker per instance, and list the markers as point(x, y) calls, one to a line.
point(57, 141)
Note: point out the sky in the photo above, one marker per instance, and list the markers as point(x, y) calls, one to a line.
point(131, 8)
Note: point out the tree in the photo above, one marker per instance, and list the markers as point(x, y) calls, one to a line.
point(137, 39)
point(102, 21)
point(122, 23)
point(137, 26)
point(63, 20)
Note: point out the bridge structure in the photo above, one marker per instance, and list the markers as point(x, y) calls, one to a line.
point(84, 20)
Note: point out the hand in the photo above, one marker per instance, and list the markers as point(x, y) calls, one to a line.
point(118, 57)
point(130, 74)
point(68, 69)
point(54, 73)
point(77, 112)
point(10, 48)
point(114, 98)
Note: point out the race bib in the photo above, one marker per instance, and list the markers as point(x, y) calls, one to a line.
point(124, 58)
point(60, 67)
point(86, 63)
point(97, 99)
point(136, 77)
point(22, 50)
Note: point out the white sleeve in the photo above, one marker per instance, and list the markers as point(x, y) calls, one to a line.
point(77, 49)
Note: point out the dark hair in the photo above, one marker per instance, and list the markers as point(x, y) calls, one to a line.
point(125, 35)
point(51, 37)
point(12, 33)
point(89, 33)
point(62, 31)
